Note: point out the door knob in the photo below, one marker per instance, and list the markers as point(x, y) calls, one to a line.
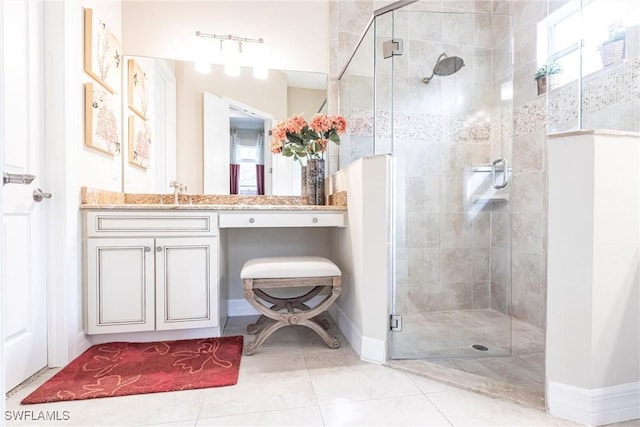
point(17, 178)
point(38, 195)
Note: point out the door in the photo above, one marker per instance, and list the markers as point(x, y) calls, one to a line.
point(186, 285)
point(216, 144)
point(23, 262)
point(451, 208)
point(120, 285)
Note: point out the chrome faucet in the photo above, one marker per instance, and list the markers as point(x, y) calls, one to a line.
point(178, 188)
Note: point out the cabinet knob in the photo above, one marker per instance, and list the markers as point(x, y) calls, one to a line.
point(147, 249)
point(252, 220)
point(315, 220)
point(159, 249)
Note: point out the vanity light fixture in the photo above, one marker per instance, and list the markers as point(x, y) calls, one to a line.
point(232, 51)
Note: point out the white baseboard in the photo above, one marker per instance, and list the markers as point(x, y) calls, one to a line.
point(348, 329)
point(373, 350)
point(594, 407)
point(368, 349)
point(240, 307)
point(82, 343)
point(148, 336)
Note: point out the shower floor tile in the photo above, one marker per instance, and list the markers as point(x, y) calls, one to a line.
point(439, 344)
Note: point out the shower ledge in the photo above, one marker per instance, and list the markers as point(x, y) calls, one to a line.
point(494, 197)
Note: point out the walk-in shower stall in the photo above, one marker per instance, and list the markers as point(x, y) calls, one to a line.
point(434, 89)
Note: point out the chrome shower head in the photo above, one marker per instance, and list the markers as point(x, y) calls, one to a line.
point(445, 66)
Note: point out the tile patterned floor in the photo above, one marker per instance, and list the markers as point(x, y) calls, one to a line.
point(295, 380)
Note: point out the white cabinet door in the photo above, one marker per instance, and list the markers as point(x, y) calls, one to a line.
point(186, 283)
point(120, 285)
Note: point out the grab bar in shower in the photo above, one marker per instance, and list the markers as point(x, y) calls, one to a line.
point(505, 173)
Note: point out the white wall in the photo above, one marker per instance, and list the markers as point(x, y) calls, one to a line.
point(362, 252)
point(70, 165)
point(593, 302)
point(304, 101)
point(97, 169)
point(296, 32)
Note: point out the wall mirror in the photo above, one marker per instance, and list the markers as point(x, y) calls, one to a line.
point(190, 126)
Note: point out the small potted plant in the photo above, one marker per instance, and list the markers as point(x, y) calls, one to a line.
point(544, 76)
point(612, 49)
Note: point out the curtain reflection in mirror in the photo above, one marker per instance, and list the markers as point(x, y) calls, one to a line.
point(246, 166)
point(234, 167)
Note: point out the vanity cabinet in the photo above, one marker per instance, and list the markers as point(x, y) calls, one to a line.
point(151, 271)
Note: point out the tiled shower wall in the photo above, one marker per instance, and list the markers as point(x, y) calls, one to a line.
point(444, 242)
point(610, 100)
point(437, 139)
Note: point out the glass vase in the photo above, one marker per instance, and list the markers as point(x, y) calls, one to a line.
point(315, 182)
point(303, 181)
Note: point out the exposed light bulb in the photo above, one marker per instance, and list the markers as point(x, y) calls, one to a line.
point(260, 72)
point(260, 69)
point(202, 67)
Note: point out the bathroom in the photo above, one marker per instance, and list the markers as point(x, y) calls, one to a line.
point(506, 239)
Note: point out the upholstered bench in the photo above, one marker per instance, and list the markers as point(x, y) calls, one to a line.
point(259, 274)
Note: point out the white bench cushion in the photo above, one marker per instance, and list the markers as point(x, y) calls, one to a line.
point(287, 267)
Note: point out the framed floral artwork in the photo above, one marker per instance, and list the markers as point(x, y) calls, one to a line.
point(137, 89)
point(101, 53)
point(102, 123)
point(139, 141)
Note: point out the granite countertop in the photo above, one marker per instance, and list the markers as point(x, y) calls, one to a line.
point(149, 206)
point(101, 199)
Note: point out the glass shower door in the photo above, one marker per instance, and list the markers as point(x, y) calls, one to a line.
point(450, 146)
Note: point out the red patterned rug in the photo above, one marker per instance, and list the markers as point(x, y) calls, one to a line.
point(123, 368)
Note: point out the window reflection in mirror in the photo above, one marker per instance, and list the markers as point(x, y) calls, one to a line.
point(247, 163)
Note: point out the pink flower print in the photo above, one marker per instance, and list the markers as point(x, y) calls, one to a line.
point(106, 127)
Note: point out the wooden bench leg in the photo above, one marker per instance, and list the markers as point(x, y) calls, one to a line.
point(331, 341)
point(291, 317)
point(281, 304)
point(251, 347)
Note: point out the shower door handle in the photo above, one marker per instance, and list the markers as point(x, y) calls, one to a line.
point(505, 171)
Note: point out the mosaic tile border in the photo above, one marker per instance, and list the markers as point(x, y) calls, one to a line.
point(614, 85)
point(608, 87)
point(424, 127)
